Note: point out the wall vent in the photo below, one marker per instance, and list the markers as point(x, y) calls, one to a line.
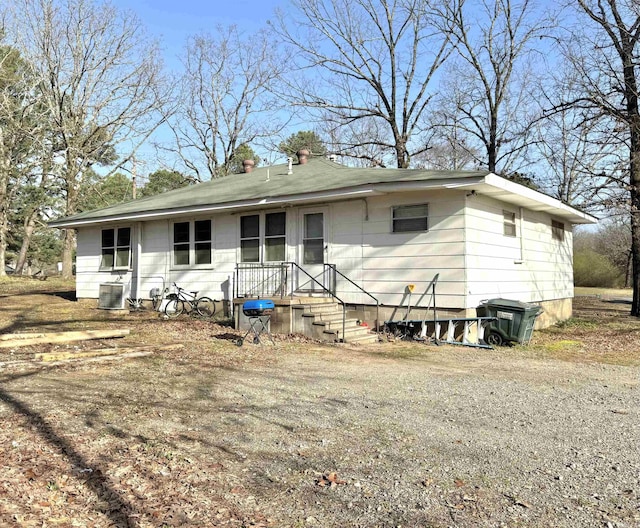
point(111, 296)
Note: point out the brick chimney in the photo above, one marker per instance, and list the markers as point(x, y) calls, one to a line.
point(247, 165)
point(303, 156)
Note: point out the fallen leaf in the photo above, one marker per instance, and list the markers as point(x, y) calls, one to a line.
point(333, 477)
point(459, 483)
point(330, 479)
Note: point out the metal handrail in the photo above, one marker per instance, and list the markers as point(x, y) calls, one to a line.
point(258, 289)
point(283, 267)
point(344, 308)
point(335, 271)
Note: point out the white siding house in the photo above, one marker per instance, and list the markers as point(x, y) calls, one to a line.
point(383, 229)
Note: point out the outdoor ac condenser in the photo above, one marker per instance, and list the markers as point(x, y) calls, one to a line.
point(111, 296)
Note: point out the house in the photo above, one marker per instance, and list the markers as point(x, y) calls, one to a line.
point(374, 238)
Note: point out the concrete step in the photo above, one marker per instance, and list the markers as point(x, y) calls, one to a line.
point(322, 308)
point(324, 316)
point(324, 321)
point(350, 332)
point(329, 316)
point(336, 324)
point(369, 338)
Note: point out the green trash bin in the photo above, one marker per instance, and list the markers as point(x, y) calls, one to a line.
point(514, 321)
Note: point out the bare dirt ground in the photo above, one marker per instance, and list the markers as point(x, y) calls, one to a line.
point(306, 434)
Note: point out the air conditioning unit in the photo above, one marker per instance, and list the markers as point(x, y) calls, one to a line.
point(111, 296)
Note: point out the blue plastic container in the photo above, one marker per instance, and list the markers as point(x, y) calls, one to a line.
point(258, 307)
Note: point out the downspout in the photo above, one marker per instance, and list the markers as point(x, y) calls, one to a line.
point(465, 253)
point(521, 235)
point(136, 261)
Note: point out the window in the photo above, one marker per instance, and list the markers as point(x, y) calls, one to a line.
point(274, 236)
point(202, 242)
point(557, 230)
point(409, 218)
point(250, 238)
point(313, 240)
point(192, 243)
point(181, 244)
point(268, 230)
point(509, 223)
point(116, 248)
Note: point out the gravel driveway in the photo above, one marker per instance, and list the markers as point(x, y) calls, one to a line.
point(444, 437)
point(304, 435)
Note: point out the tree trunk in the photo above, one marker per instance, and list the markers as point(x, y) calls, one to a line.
point(68, 245)
point(402, 154)
point(4, 228)
point(635, 222)
point(634, 192)
point(3, 243)
point(4, 204)
point(68, 242)
point(492, 147)
point(29, 228)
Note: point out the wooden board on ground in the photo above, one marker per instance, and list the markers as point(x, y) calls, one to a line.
point(57, 356)
point(17, 340)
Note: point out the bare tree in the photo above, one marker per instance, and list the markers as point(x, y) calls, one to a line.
point(371, 61)
point(450, 147)
point(226, 99)
point(576, 149)
point(604, 55)
point(487, 92)
point(100, 79)
point(361, 143)
point(21, 125)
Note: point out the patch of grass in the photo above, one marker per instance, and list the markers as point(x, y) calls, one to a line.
point(603, 292)
point(575, 323)
point(15, 284)
point(402, 350)
point(563, 345)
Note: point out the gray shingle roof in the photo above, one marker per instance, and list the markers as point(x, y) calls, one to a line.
point(317, 175)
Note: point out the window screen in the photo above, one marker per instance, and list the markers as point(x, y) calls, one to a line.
point(250, 238)
point(274, 236)
point(409, 218)
point(557, 230)
point(115, 248)
point(509, 223)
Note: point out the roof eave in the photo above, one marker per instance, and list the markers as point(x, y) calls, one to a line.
point(276, 201)
point(488, 184)
point(511, 192)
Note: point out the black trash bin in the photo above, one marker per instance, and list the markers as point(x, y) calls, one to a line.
point(514, 321)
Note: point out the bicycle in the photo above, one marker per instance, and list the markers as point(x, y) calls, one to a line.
point(178, 302)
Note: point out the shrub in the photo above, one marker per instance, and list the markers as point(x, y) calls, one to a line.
point(595, 270)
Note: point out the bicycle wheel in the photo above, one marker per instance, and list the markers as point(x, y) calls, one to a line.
point(174, 308)
point(206, 306)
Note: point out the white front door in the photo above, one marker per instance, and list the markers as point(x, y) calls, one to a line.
point(312, 251)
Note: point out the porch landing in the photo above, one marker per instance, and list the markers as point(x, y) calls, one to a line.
point(317, 317)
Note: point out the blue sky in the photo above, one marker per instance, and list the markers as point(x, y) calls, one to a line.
point(173, 21)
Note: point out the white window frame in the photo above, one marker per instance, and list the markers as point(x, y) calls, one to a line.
point(509, 227)
point(282, 236)
point(262, 237)
point(395, 208)
point(116, 248)
point(192, 244)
